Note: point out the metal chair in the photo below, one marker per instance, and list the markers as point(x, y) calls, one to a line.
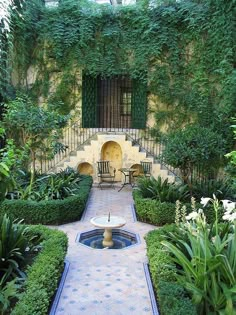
point(106, 173)
point(146, 168)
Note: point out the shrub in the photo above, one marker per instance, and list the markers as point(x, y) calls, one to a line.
point(153, 211)
point(221, 188)
point(172, 298)
point(52, 211)
point(162, 190)
point(46, 186)
point(44, 274)
point(194, 147)
point(14, 240)
point(206, 257)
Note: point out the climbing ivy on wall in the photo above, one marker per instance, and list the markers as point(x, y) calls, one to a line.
point(184, 51)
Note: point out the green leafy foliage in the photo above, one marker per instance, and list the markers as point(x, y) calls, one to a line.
point(36, 128)
point(44, 274)
point(184, 49)
point(222, 188)
point(194, 148)
point(172, 297)
point(50, 211)
point(46, 186)
point(207, 261)
point(162, 190)
point(154, 211)
point(8, 292)
point(14, 241)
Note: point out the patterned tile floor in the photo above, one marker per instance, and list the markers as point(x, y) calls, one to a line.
point(110, 282)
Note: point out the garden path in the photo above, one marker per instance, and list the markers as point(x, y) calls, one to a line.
point(111, 282)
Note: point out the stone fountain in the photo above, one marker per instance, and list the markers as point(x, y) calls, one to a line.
point(108, 223)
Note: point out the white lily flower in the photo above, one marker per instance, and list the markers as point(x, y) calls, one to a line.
point(193, 215)
point(228, 204)
point(204, 201)
point(226, 216)
point(229, 216)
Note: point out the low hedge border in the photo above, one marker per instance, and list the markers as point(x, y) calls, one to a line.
point(159, 213)
point(51, 212)
point(172, 297)
point(153, 211)
point(44, 274)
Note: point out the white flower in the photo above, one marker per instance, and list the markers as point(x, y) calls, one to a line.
point(193, 215)
point(228, 205)
point(204, 201)
point(229, 216)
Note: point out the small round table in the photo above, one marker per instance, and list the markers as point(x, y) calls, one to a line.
point(128, 173)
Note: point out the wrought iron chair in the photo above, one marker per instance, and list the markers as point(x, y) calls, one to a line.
point(146, 168)
point(106, 173)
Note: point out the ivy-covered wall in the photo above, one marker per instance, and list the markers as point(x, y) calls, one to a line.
point(184, 50)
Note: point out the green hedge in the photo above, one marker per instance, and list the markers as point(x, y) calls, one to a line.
point(172, 298)
point(53, 212)
point(153, 211)
point(159, 213)
point(44, 274)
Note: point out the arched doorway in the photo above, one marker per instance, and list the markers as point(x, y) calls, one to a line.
point(111, 151)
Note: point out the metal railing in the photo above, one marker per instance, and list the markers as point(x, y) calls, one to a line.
point(74, 137)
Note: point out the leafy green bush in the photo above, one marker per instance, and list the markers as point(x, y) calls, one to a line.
point(44, 274)
point(8, 292)
point(153, 211)
point(172, 298)
point(46, 186)
point(52, 211)
point(206, 257)
point(221, 188)
point(162, 190)
point(194, 147)
point(14, 243)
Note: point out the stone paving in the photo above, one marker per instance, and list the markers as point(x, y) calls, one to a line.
point(106, 281)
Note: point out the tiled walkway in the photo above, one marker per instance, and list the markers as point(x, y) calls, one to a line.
point(106, 281)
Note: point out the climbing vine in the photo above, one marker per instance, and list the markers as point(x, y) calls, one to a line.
point(184, 50)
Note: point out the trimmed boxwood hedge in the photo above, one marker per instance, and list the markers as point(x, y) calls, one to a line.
point(159, 213)
point(51, 212)
point(44, 274)
point(153, 211)
point(172, 297)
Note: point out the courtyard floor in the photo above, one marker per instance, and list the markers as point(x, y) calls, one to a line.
point(106, 281)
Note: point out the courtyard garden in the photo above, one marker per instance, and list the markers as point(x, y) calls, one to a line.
point(179, 58)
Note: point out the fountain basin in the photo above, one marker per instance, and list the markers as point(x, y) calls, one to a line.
point(102, 222)
point(121, 239)
point(108, 223)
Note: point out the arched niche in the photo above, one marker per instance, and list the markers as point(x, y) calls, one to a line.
point(85, 168)
point(111, 151)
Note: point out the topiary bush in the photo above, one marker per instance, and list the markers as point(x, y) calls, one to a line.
point(54, 212)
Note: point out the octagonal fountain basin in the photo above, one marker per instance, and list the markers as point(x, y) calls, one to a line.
point(121, 239)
